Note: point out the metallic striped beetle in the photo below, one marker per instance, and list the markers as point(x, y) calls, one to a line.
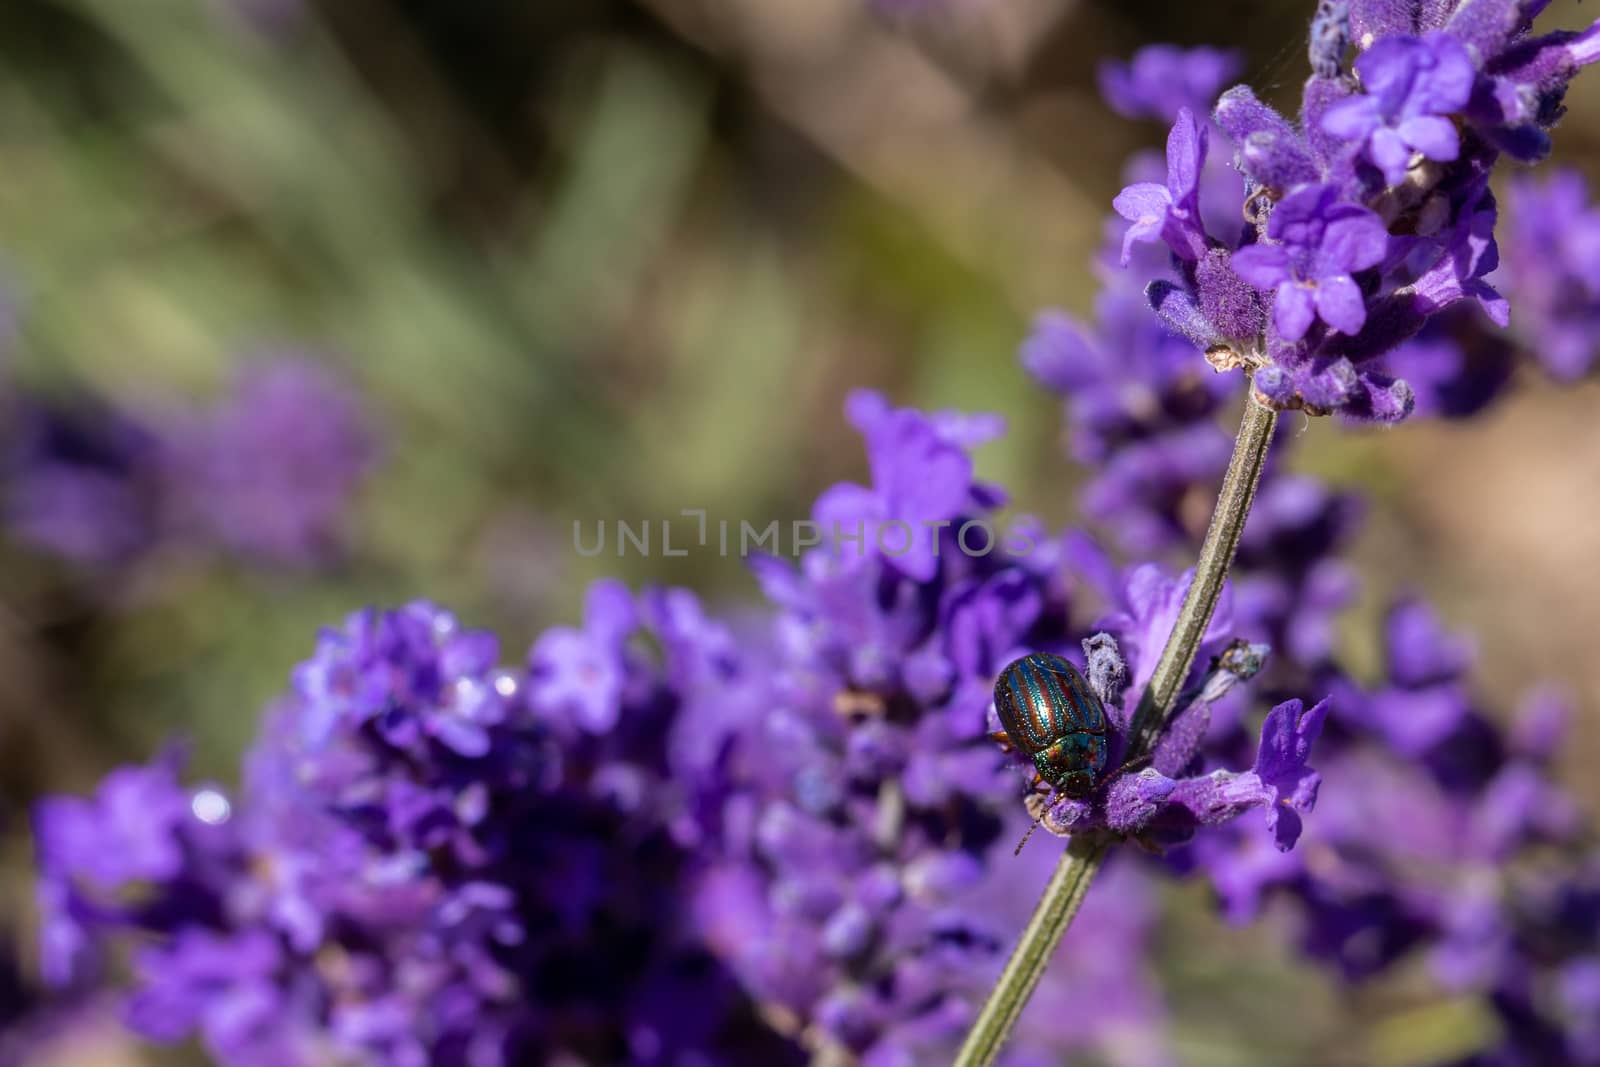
point(1050, 714)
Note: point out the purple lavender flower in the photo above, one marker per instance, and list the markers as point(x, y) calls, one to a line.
point(1448, 87)
point(581, 673)
point(1289, 585)
point(1458, 365)
point(128, 833)
point(1439, 834)
point(1321, 242)
point(1161, 80)
point(1139, 410)
point(1551, 267)
point(1412, 85)
point(921, 476)
point(1170, 212)
point(83, 483)
point(270, 472)
point(420, 869)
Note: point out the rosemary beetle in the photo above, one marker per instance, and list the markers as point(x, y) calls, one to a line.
point(1052, 716)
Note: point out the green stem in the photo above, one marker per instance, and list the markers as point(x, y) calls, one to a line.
point(1087, 853)
point(1210, 573)
point(1051, 917)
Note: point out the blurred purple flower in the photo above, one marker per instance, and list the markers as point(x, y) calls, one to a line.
point(128, 833)
point(921, 477)
point(581, 673)
point(1551, 267)
point(270, 472)
point(82, 482)
point(421, 869)
point(1161, 80)
point(1139, 410)
point(1458, 365)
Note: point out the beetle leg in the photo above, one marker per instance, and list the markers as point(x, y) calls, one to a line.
point(1003, 739)
point(1038, 780)
point(1131, 764)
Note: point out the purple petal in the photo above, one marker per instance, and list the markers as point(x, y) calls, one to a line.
point(1293, 311)
point(846, 505)
point(1355, 239)
point(1286, 739)
point(1059, 353)
point(1144, 204)
point(1448, 86)
point(1284, 824)
point(917, 474)
point(1433, 136)
point(1186, 155)
point(1340, 304)
point(865, 409)
point(1262, 265)
point(609, 614)
point(1353, 119)
point(1392, 155)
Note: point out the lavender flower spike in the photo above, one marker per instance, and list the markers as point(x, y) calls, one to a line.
point(1170, 212)
point(1322, 241)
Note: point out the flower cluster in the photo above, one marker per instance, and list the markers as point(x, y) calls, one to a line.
point(661, 837)
point(1370, 215)
point(430, 862)
point(267, 474)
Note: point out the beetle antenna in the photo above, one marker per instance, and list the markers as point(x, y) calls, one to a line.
point(1042, 812)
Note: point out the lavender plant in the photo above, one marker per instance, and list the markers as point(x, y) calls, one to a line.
point(664, 837)
point(1484, 804)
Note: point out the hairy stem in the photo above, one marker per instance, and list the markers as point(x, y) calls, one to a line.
point(1210, 573)
point(1086, 854)
point(1062, 897)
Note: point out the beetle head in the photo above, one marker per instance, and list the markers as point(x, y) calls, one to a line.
point(1063, 766)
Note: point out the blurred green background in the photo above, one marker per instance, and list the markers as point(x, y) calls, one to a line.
point(591, 259)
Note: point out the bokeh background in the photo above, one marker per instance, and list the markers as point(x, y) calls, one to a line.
point(596, 259)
